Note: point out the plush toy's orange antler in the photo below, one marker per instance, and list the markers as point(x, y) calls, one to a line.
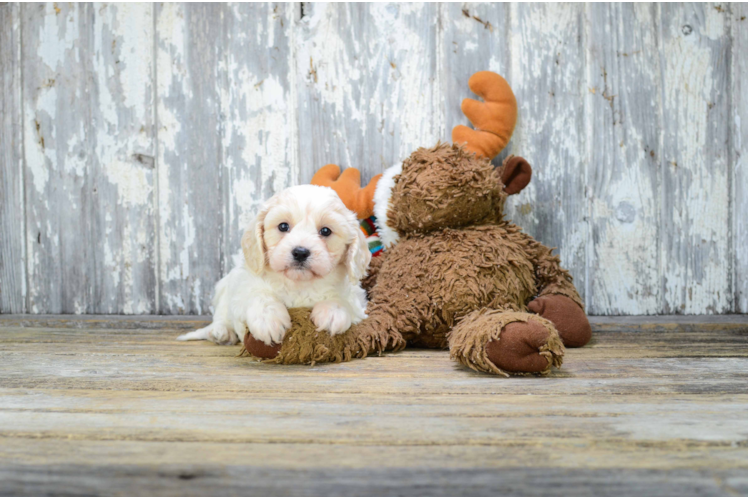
point(348, 187)
point(493, 119)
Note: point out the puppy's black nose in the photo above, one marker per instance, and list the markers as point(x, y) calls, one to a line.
point(300, 254)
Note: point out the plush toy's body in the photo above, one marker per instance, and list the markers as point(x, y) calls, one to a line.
point(433, 280)
point(459, 272)
point(455, 273)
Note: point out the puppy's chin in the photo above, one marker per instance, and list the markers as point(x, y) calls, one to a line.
point(299, 274)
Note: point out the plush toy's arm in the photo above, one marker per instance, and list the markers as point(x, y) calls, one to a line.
point(551, 278)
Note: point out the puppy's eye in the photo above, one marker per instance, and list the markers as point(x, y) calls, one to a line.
point(283, 227)
point(325, 231)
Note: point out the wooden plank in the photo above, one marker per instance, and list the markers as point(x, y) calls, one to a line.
point(739, 153)
point(623, 132)
point(407, 376)
point(349, 424)
point(13, 240)
point(694, 54)
point(127, 411)
point(189, 51)
point(206, 480)
point(122, 193)
point(571, 454)
point(649, 324)
point(222, 400)
point(376, 420)
point(258, 125)
point(548, 77)
point(116, 350)
point(475, 38)
point(717, 343)
point(89, 155)
point(343, 76)
point(707, 345)
point(368, 92)
point(227, 141)
point(58, 157)
point(87, 322)
point(668, 323)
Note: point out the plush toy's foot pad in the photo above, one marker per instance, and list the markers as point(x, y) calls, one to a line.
point(569, 319)
point(260, 349)
point(518, 348)
point(506, 342)
point(303, 344)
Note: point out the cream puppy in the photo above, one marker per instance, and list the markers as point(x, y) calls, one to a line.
point(305, 249)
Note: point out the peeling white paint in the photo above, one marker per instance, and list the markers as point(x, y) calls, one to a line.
point(739, 92)
point(244, 195)
point(35, 154)
point(470, 46)
point(697, 229)
point(134, 187)
point(111, 264)
point(547, 75)
point(189, 239)
point(171, 75)
point(714, 23)
point(622, 174)
point(56, 36)
point(257, 106)
point(370, 76)
point(123, 61)
point(363, 85)
point(133, 32)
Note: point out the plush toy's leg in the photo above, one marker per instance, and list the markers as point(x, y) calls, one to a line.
point(303, 344)
point(499, 342)
point(566, 315)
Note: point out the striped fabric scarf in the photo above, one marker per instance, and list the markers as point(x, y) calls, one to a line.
point(369, 227)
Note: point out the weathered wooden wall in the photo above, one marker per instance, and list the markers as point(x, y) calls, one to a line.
point(137, 140)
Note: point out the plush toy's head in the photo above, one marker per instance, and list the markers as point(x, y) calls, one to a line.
point(448, 185)
point(445, 186)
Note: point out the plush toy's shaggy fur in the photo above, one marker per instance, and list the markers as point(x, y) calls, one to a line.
point(456, 255)
point(303, 344)
point(460, 277)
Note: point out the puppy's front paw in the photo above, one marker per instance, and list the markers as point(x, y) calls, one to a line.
point(222, 335)
point(331, 316)
point(268, 322)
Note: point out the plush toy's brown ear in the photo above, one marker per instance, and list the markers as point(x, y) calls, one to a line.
point(516, 175)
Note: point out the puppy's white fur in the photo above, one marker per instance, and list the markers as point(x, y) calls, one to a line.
point(257, 293)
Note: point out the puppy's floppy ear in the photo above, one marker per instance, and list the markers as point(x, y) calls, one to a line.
point(253, 244)
point(358, 256)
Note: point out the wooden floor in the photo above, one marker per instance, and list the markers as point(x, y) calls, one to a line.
point(113, 405)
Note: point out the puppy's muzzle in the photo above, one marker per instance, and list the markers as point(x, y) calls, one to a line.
point(300, 254)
